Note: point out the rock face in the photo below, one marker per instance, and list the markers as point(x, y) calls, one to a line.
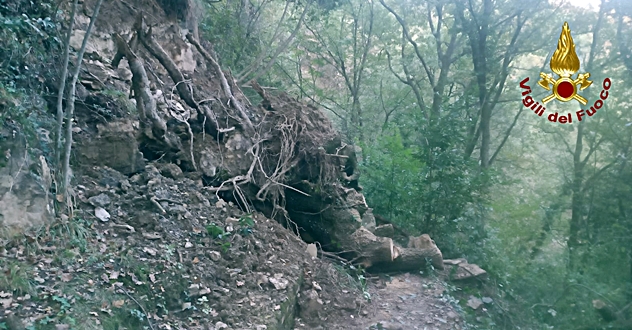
point(24, 184)
point(114, 145)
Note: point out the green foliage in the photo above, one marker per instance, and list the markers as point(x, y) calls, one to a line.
point(440, 199)
point(513, 220)
point(246, 223)
point(120, 97)
point(16, 278)
point(215, 231)
point(232, 33)
point(390, 176)
point(28, 33)
point(246, 220)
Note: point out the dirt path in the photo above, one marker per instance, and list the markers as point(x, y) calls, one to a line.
point(405, 302)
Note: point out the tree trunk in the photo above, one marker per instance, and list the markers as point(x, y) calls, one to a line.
point(577, 226)
point(372, 249)
point(62, 86)
point(410, 260)
point(71, 103)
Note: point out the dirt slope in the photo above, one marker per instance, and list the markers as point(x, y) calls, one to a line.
point(177, 270)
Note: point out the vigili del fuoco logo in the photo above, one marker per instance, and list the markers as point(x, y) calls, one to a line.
point(564, 63)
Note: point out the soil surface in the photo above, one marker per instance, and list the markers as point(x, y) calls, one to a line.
point(404, 301)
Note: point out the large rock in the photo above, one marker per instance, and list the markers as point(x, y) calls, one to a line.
point(464, 270)
point(24, 185)
point(114, 146)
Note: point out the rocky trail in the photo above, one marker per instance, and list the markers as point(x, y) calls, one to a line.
point(404, 301)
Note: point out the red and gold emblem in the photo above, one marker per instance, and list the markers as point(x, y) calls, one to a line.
point(565, 64)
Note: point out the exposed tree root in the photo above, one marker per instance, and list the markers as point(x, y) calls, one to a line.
point(145, 102)
point(183, 87)
point(247, 123)
point(300, 172)
point(156, 50)
point(184, 118)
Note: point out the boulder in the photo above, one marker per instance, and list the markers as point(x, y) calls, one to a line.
point(462, 270)
point(25, 181)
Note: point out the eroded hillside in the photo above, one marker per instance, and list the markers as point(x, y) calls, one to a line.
point(190, 204)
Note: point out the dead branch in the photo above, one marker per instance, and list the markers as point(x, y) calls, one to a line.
point(139, 306)
point(333, 256)
point(133, 44)
point(154, 201)
point(124, 226)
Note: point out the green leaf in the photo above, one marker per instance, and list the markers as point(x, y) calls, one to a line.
point(246, 221)
point(214, 230)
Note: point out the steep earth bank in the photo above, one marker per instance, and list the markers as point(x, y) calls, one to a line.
point(190, 202)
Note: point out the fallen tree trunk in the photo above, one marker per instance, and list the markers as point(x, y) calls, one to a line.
point(373, 249)
point(410, 260)
point(384, 231)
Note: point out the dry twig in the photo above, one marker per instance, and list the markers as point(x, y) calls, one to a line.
point(139, 306)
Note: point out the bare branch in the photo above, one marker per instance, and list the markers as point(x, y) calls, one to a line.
point(281, 48)
point(506, 136)
point(411, 41)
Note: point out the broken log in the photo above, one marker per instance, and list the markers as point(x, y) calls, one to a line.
point(410, 260)
point(461, 270)
point(371, 249)
point(399, 235)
